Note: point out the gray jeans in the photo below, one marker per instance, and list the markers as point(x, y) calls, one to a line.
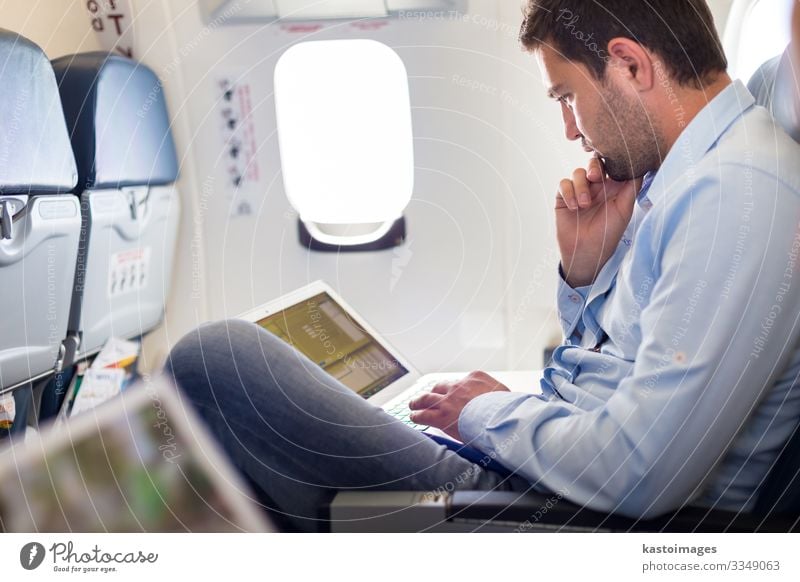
point(298, 435)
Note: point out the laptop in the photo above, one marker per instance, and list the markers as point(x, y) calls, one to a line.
point(141, 462)
point(321, 325)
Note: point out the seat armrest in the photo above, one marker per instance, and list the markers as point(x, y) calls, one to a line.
point(506, 511)
point(533, 511)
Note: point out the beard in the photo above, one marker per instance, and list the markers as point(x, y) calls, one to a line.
point(639, 146)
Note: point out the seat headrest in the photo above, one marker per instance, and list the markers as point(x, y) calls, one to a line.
point(118, 121)
point(35, 153)
point(775, 87)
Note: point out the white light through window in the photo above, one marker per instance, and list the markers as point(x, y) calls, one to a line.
point(757, 31)
point(344, 129)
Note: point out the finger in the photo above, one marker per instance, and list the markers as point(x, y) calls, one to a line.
point(567, 193)
point(441, 388)
point(426, 400)
point(430, 417)
point(560, 204)
point(598, 192)
point(594, 170)
point(626, 199)
point(581, 185)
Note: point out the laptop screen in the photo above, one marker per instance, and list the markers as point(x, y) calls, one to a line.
point(322, 330)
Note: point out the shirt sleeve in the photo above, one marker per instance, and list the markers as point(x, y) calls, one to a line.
point(571, 303)
point(719, 326)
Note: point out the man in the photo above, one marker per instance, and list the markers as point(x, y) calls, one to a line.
point(678, 300)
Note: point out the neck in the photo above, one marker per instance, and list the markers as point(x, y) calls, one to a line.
point(682, 107)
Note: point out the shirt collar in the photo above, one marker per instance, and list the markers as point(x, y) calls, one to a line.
point(642, 198)
point(697, 139)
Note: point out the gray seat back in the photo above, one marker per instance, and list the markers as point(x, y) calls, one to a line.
point(39, 218)
point(127, 166)
point(776, 87)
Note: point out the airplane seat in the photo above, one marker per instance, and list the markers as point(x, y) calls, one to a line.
point(39, 217)
point(127, 168)
point(776, 508)
point(775, 87)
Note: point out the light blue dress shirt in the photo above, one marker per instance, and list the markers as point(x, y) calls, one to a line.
point(676, 380)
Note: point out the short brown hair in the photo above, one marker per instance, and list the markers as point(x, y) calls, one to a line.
point(681, 32)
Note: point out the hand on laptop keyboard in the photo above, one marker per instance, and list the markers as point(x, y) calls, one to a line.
point(441, 407)
point(402, 412)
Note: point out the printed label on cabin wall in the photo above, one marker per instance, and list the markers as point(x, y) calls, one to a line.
point(129, 271)
point(238, 158)
point(112, 22)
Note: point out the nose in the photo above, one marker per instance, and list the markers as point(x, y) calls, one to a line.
point(570, 125)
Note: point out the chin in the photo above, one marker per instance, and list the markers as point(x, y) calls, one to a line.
point(618, 172)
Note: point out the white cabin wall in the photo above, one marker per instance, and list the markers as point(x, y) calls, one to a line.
point(59, 28)
point(443, 298)
point(720, 9)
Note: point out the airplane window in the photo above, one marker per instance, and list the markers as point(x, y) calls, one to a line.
point(346, 144)
point(757, 31)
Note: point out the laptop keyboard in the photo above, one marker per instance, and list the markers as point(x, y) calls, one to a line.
point(400, 409)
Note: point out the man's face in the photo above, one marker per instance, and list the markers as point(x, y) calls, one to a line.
point(610, 122)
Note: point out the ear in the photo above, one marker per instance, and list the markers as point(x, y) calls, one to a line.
point(632, 63)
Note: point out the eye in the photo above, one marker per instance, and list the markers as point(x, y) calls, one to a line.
point(564, 100)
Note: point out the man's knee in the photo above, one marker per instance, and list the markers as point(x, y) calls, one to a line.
point(204, 352)
point(219, 353)
point(223, 336)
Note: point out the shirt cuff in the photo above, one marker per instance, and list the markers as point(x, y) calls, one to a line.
point(571, 303)
point(482, 412)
